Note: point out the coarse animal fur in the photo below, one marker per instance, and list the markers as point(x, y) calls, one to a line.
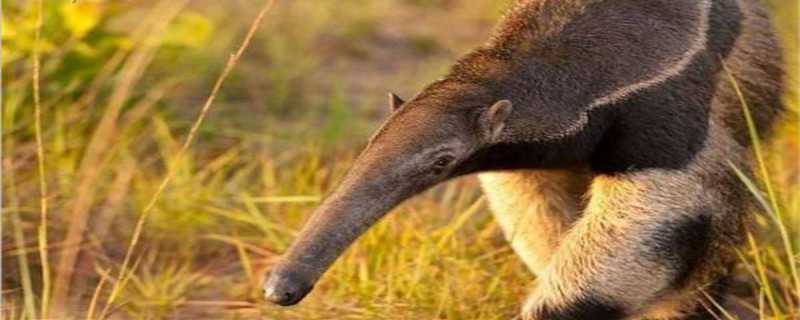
point(604, 133)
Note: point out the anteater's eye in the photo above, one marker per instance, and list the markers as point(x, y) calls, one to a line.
point(441, 163)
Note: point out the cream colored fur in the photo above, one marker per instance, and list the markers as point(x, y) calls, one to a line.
point(534, 208)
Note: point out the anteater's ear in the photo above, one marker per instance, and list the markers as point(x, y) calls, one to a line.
point(495, 118)
point(395, 102)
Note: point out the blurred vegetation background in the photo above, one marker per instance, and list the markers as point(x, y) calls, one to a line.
point(121, 83)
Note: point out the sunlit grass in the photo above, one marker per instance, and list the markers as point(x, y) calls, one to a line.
point(783, 261)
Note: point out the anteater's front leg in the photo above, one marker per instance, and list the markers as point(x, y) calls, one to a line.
point(645, 238)
point(535, 208)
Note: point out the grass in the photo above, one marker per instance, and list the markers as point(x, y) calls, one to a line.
point(42, 230)
point(232, 61)
point(118, 203)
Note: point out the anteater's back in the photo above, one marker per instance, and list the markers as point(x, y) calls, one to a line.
point(552, 32)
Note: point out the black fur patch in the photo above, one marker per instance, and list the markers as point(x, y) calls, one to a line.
point(559, 153)
point(661, 127)
point(682, 244)
point(583, 309)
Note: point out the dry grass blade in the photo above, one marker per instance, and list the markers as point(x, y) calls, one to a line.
point(95, 296)
point(37, 105)
point(232, 61)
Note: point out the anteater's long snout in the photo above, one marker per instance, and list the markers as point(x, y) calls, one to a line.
point(320, 242)
point(356, 205)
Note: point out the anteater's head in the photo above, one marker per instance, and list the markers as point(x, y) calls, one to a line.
point(434, 137)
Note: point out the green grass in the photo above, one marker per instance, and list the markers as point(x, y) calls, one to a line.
point(121, 85)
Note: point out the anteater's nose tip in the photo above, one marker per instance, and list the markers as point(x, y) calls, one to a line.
point(283, 298)
point(284, 291)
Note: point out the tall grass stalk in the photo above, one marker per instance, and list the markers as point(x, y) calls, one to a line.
point(232, 61)
point(96, 295)
point(42, 231)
